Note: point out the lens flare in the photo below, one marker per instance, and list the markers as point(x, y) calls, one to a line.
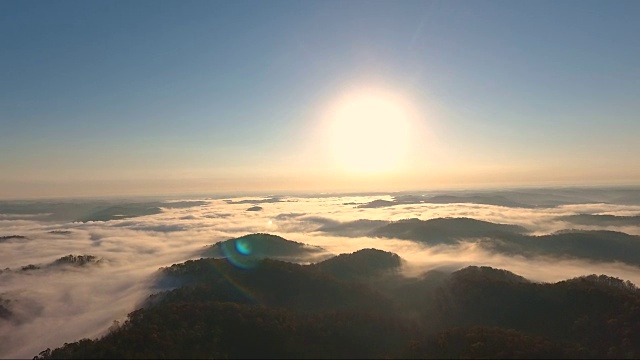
point(243, 246)
point(242, 253)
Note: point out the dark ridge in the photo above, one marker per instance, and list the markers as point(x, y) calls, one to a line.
point(78, 260)
point(29, 267)
point(254, 208)
point(601, 220)
point(487, 273)
point(182, 204)
point(377, 204)
point(600, 245)
point(256, 201)
point(83, 211)
point(597, 245)
point(119, 212)
point(60, 232)
point(287, 216)
point(360, 265)
point(495, 200)
point(50, 211)
point(10, 237)
point(603, 281)
point(355, 228)
point(74, 260)
point(444, 230)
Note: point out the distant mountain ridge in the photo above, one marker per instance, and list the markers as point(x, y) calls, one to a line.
point(68, 260)
point(601, 245)
point(126, 211)
point(84, 211)
point(444, 230)
point(602, 220)
point(495, 200)
point(11, 237)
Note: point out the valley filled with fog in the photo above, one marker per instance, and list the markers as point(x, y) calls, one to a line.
point(118, 247)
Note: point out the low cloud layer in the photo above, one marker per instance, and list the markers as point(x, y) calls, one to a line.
point(83, 301)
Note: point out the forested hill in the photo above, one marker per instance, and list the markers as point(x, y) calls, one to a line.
point(249, 248)
point(283, 310)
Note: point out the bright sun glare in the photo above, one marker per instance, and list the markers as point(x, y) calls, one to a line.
point(370, 133)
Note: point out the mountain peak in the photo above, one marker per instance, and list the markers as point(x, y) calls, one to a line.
point(484, 273)
point(246, 250)
point(362, 264)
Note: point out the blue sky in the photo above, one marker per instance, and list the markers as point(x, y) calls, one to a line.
point(119, 97)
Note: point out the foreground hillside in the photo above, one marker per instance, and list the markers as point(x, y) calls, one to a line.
point(358, 305)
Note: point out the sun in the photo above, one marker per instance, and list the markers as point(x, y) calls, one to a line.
point(370, 132)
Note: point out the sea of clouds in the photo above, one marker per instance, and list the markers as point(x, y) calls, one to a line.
point(57, 304)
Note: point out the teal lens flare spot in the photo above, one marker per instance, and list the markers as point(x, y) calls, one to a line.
point(243, 247)
point(243, 253)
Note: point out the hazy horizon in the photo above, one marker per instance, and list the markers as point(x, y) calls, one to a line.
point(233, 192)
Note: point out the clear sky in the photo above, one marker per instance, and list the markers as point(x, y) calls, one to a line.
point(153, 97)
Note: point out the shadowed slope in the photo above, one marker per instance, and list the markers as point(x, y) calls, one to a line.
point(270, 282)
